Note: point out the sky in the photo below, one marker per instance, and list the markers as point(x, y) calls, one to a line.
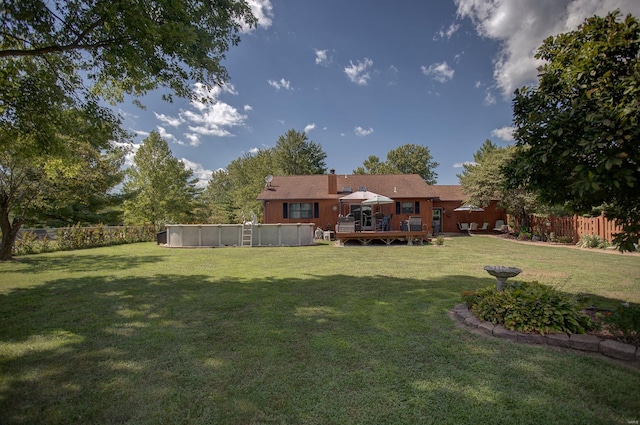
point(363, 77)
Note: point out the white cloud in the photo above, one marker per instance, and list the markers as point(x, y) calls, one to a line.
point(362, 131)
point(522, 25)
point(462, 164)
point(254, 151)
point(172, 121)
point(504, 133)
point(141, 133)
point(248, 108)
point(357, 72)
point(489, 98)
point(440, 72)
point(165, 135)
point(309, 127)
point(282, 84)
point(199, 172)
point(130, 151)
point(194, 139)
point(322, 57)
point(448, 32)
point(393, 75)
point(263, 11)
point(211, 116)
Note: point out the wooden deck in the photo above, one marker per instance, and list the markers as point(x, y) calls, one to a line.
point(388, 237)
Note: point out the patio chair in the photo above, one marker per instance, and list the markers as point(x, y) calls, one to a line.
point(463, 227)
point(485, 226)
point(346, 224)
point(415, 224)
point(473, 226)
point(501, 227)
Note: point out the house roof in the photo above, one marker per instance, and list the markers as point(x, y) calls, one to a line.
point(395, 186)
point(448, 192)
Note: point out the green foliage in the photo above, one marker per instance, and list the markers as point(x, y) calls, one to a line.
point(126, 47)
point(439, 240)
point(529, 308)
point(159, 188)
point(233, 192)
point(294, 154)
point(592, 241)
point(72, 178)
point(626, 320)
point(77, 237)
point(484, 180)
point(577, 130)
point(405, 159)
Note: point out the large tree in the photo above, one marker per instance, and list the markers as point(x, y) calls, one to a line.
point(35, 183)
point(578, 132)
point(127, 46)
point(484, 181)
point(159, 189)
point(406, 159)
point(295, 154)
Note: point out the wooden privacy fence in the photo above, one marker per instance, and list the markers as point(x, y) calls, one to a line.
point(576, 226)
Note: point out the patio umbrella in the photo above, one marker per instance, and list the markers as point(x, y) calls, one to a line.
point(378, 200)
point(356, 197)
point(470, 208)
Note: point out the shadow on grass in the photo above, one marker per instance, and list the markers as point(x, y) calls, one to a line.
point(83, 262)
point(326, 349)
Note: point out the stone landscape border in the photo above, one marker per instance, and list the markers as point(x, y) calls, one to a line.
point(587, 343)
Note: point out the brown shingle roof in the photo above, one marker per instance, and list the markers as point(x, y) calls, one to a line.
point(448, 192)
point(317, 186)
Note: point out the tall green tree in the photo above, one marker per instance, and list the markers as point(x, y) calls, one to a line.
point(372, 165)
point(159, 189)
point(577, 132)
point(247, 175)
point(406, 159)
point(36, 184)
point(217, 199)
point(484, 181)
point(295, 154)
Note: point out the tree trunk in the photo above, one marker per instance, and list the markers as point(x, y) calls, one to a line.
point(9, 232)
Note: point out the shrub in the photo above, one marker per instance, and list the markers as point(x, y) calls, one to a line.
point(592, 241)
point(529, 308)
point(524, 236)
point(626, 320)
point(440, 240)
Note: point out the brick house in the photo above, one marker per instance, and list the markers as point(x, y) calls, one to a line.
point(319, 199)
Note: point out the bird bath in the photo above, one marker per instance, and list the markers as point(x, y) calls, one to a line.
point(502, 273)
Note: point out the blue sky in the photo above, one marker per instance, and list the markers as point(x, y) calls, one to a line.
point(362, 77)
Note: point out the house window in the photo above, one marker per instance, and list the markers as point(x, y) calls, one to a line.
point(408, 208)
point(301, 210)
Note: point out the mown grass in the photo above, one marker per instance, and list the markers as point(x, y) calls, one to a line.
point(140, 334)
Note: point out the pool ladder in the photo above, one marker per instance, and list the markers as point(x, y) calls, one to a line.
point(247, 234)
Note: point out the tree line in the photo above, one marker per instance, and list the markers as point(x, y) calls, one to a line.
point(577, 138)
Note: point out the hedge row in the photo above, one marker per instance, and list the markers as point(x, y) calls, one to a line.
point(78, 237)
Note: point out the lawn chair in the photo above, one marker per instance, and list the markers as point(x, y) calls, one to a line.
point(501, 227)
point(485, 226)
point(473, 226)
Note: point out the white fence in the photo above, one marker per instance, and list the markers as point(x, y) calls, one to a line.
point(218, 235)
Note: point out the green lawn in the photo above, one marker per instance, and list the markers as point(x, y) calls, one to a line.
point(140, 334)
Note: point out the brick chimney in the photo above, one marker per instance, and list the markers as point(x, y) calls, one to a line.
point(333, 181)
